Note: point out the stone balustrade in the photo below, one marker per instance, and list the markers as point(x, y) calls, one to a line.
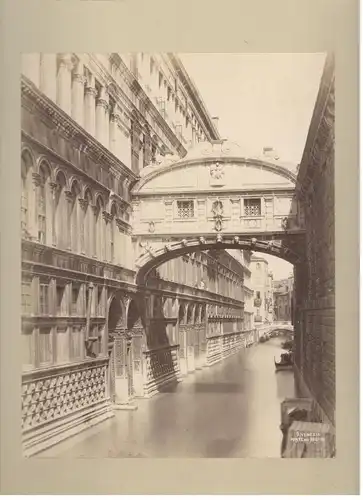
point(161, 367)
point(222, 346)
point(60, 401)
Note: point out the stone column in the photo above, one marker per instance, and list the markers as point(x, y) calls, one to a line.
point(82, 217)
point(93, 249)
point(69, 202)
point(33, 206)
point(30, 67)
point(90, 106)
point(107, 218)
point(53, 187)
point(64, 82)
point(48, 75)
point(101, 111)
point(78, 94)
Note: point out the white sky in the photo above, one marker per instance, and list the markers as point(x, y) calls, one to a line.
point(261, 100)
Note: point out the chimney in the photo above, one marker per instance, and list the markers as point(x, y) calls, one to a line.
point(215, 120)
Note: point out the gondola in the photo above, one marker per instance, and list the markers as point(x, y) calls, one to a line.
point(285, 362)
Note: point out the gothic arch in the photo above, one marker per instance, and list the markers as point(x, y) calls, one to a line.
point(26, 151)
point(87, 191)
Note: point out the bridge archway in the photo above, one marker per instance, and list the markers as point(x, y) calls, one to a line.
point(154, 257)
point(216, 197)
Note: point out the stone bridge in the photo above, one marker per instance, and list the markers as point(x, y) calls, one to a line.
point(281, 325)
point(215, 197)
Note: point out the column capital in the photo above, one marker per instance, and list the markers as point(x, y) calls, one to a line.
point(37, 180)
point(66, 59)
point(83, 203)
point(69, 196)
point(103, 103)
point(79, 78)
point(107, 216)
point(91, 91)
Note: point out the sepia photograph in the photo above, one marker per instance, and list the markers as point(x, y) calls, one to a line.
point(178, 255)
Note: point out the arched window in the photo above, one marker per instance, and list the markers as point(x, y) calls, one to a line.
point(26, 171)
point(61, 214)
point(43, 202)
point(74, 217)
point(113, 232)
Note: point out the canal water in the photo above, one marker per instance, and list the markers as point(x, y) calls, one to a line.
point(231, 409)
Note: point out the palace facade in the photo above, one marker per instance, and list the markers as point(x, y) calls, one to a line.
point(93, 340)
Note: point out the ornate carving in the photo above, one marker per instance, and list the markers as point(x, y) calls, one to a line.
point(79, 79)
point(217, 171)
point(217, 210)
point(91, 91)
point(37, 179)
point(151, 227)
point(147, 247)
point(83, 203)
point(103, 103)
point(107, 216)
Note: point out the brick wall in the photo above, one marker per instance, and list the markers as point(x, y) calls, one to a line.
point(315, 278)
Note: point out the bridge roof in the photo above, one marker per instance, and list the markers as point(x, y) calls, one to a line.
point(263, 172)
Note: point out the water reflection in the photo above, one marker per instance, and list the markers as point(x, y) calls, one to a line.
point(231, 409)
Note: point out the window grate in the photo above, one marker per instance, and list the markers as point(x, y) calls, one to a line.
point(252, 207)
point(185, 209)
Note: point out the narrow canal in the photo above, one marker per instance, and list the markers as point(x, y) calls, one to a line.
point(231, 409)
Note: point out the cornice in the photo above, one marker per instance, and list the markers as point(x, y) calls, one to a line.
point(71, 130)
point(240, 161)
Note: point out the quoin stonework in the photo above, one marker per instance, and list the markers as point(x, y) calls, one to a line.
point(138, 264)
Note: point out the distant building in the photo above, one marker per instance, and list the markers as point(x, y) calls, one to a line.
point(261, 281)
point(283, 296)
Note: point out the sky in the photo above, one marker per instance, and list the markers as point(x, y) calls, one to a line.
point(262, 100)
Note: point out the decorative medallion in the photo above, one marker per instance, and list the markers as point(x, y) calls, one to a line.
point(151, 227)
point(217, 171)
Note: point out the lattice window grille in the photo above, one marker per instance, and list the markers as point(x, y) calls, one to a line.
point(252, 208)
point(185, 209)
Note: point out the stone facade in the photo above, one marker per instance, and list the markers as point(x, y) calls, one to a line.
point(92, 338)
point(283, 299)
point(262, 288)
point(314, 315)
